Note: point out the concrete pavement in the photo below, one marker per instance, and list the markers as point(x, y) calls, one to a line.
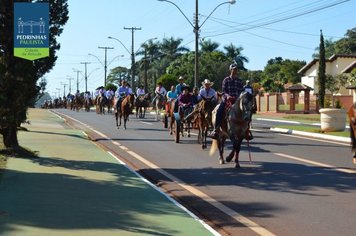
point(76, 188)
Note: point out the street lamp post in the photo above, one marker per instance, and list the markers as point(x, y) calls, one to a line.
point(105, 62)
point(196, 29)
point(132, 57)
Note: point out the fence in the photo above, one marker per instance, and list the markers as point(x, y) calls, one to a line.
point(280, 102)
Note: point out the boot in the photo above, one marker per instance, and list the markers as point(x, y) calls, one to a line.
point(249, 135)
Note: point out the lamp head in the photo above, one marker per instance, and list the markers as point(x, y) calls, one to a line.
point(232, 2)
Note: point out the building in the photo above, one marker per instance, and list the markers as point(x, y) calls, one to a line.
point(335, 65)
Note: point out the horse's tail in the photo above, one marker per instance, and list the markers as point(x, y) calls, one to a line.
point(214, 147)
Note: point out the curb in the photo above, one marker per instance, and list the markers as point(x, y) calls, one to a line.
point(313, 135)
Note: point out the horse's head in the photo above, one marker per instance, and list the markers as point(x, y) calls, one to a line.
point(147, 96)
point(246, 105)
point(206, 107)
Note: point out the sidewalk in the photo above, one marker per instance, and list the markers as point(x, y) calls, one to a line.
point(302, 133)
point(76, 188)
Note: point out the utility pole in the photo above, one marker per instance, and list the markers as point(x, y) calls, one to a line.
point(105, 63)
point(70, 84)
point(77, 71)
point(132, 55)
point(86, 76)
point(64, 89)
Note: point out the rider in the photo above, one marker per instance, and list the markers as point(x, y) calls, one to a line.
point(171, 96)
point(181, 83)
point(140, 91)
point(120, 94)
point(232, 87)
point(206, 92)
point(185, 99)
point(159, 91)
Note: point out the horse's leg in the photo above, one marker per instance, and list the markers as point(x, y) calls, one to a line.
point(221, 143)
point(126, 116)
point(205, 134)
point(116, 119)
point(237, 148)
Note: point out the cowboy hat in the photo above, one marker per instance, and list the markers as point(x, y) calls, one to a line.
point(181, 78)
point(206, 81)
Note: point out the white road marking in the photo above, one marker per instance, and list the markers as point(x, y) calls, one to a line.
point(348, 171)
point(147, 123)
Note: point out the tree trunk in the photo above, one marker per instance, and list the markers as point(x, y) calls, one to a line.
point(10, 137)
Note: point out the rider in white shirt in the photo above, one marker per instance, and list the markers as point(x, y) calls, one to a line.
point(140, 91)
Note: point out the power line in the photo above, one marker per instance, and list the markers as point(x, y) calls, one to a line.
point(280, 19)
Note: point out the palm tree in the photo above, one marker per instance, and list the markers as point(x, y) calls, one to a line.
point(171, 48)
point(208, 46)
point(150, 51)
point(234, 53)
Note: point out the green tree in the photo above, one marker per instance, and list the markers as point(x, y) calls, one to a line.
point(208, 46)
point(234, 53)
point(321, 72)
point(150, 51)
point(117, 74)
point(347, 45)
point(23, 74)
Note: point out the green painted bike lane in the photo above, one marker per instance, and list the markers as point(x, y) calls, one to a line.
point(76, 188)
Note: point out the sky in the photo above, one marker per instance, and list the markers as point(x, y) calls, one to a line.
point(264, 29)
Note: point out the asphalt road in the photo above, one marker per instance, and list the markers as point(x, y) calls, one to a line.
point(294, 185)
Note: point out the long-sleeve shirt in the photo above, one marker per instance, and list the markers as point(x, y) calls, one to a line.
point(122, 91)
point(232, 87)
point(179, 88)
point(207, 93)
point(161, 90)
point(185, 99)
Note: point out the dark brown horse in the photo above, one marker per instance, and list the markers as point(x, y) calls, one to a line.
point(141, 104)
point(204, 119)
point(100, 102)
point(236, 127)
point(126, 109)
point(352, 117)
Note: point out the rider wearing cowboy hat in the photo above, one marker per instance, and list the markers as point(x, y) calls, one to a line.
point(207, 91)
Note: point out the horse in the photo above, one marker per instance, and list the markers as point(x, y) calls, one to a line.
point(204, 119)
point(125, 109)
point(87, 103)
point(236, 127)
point(101, 100)
point(141, 104)
point(77, 102)
point(160, 104)
point(352, 118)
point(110, 103)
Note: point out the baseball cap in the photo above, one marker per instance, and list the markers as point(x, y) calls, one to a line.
point(233, 66)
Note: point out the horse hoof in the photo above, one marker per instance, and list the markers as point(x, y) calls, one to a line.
point(237, 165)
point(221, 162)
point(228, 159)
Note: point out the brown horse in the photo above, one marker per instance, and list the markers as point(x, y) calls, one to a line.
point(141, 104)
point(236, 127)
point(126, 109)
point(352, 117)
point(204, 119)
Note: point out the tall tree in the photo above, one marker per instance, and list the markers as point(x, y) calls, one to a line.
point(234, 53)
point(18, 77)
point(208, 46)
point(150, 52)
point(321, 72)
